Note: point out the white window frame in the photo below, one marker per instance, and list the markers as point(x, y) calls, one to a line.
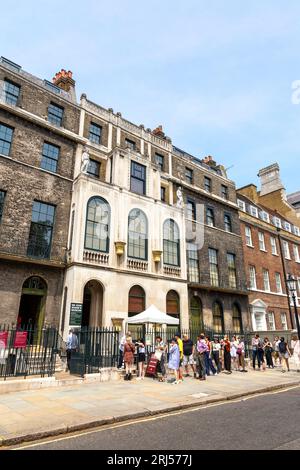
point(265, 216)
point(287, 226)
point(253, 211)
point(297, 231)
point(252, 278)
point(277, 222)
point(296, 253)
point(248, 236)
point(284, 323)
point(241, 205)
point(286, 250)
point(271, 316)
point(273, 246)
point(266, 279)
point(261, 239)
point(278, 283)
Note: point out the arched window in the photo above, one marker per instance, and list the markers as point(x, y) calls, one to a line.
point(196, 314)
point(237, 319)
point(173, 304)
point(97, 225)
point(218, 320)
point(137, 234)
point(35, 283)
point(171, 243)
point(136, 300)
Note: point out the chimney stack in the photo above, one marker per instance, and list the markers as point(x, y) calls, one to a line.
point(270, 179)
point(209, 161)
point(64, 80)
point(159, 132)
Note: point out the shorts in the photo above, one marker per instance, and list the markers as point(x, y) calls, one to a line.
point(188, 360)
point(142, 357)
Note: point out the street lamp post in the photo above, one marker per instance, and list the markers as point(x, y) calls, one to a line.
point(292, 288)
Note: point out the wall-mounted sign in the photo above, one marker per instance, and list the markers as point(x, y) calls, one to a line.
point(3, 339)
point(75, 314)
point(20, 339)
point(148, 339)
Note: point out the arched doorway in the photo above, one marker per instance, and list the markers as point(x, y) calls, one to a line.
point(196, 315)
point(92, 307)
point(32, 303)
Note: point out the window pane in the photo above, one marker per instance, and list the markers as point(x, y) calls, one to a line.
point(50, 157)
point(213, 266)
point(171, 243)
point(6, 134)
point(93, 168)
point(95, 133)
point(11, 91)
point(138, 178)
point(97, 225)
point(41, 229)
point(55, 114)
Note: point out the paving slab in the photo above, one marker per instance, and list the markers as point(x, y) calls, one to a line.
point(32, 414)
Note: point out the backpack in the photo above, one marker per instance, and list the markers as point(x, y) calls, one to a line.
point(282, 347)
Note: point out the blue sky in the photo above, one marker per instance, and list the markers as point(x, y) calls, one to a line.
point(217, 74)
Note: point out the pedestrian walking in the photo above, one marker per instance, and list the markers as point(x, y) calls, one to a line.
point(268, 349)
point(129, 350)
point(188, 355)
point(71, 347)
point(200, 350)
point(227, 355)
point(261, 354)
point(160, 354)
point(174, 360)
point(121, 349)
point(180, 346)
point(295, 344)
point(215, 352)
point(255, 355)
point(208, 358)
point(277, 358)
point(284, 354)
point(140, 344)
point(233, 352)
point(241, 354)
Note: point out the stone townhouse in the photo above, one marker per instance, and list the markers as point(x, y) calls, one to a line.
point(130, 217)
point(39, 123)
point(271, 239)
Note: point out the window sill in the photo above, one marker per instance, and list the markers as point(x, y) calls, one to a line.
point(265, 251)
point(249, 246)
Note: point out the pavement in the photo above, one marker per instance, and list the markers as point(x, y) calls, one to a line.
point(34, 414)
point(261, 422)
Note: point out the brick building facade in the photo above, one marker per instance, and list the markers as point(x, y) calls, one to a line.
point(38, 136)
point(271, 239)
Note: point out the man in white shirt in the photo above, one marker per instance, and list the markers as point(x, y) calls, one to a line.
point(72, 346)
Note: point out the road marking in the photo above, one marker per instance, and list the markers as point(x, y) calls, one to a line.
point(153, 418)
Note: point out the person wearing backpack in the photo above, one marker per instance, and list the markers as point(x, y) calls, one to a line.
point(284, 353)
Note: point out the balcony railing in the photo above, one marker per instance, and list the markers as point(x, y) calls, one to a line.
point(172, 271)
point(137, 265)
point(96, 257)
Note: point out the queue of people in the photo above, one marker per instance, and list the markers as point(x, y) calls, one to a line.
point(205, 357)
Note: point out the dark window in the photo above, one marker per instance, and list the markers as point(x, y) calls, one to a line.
point(160, 161)
point(189, 175)
point(6, 134)
point(190, 210)
point(137, 235)
point(55, 114)
point(231, 270)
point(136, 300)
point(227, 223)
point(93, 168)
point(171, 243)
point(2, 197)
point(138, 178)
point(41, 229)
point(163, 194)
point(213, 266)
point(130, 144)
point(210, 217)
point(173, 304)
point(95, 133)
point(224, 191)
point(207, 184)
point(218, 319)
point(50, 157)
point(237, 319)
point(97, 225)
point(193, 262)
point(196, 314)
point(12, 92)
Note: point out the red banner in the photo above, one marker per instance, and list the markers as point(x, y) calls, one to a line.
point(3, 339)
point(20, 339)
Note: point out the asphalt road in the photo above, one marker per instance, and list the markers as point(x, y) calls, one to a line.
point(262, 422)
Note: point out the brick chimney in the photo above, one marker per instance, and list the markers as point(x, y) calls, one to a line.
point(64, 80)
point(209, 161)
point(159, 132)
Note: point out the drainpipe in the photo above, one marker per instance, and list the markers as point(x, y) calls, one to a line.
point(285, 276)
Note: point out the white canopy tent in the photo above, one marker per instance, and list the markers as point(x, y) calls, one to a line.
point(153, 315)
